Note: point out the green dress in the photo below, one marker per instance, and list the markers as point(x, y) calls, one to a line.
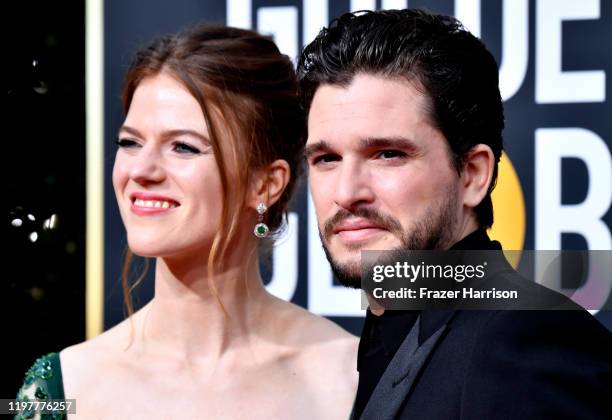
point(43, 381)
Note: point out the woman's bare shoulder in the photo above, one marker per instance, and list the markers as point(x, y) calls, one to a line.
point(84, 364)
point(315, 336)
point(99, 345)
point(109, 344)
point(326, 357)
point(303, 324)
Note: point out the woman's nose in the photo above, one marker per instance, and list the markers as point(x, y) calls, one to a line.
point(147, 167)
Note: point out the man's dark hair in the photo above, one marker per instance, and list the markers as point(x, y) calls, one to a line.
point(452, 68)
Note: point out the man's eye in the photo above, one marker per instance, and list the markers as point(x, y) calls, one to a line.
point(391, 154)
point(126, 143)
point(184, 148)
point(324, 159)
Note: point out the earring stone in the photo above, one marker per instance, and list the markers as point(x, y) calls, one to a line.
point(261, 229)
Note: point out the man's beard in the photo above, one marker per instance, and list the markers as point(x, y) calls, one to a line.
point(432, 232)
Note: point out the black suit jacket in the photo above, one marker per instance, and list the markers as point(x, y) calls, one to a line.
point(502, 364)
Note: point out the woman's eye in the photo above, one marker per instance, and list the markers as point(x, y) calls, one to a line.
point(185, 148)
point(125, 143)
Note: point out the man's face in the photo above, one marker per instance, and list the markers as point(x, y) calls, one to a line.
point(380, 173)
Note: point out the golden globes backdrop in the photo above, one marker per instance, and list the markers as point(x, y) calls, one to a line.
point(555, 184)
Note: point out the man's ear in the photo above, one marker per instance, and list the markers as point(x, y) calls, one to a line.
point(476, 174)
point(269, 184)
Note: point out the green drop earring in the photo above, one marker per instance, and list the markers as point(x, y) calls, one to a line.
point(261, 229)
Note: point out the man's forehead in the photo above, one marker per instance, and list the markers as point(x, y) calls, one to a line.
point(370, 106)
point(377, 90)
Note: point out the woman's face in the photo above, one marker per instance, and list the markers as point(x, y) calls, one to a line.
point(165, 177)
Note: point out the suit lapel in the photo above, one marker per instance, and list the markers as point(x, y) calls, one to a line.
point(400, 375)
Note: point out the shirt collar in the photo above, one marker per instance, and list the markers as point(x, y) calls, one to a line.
point(477, 240)
point(392, 326)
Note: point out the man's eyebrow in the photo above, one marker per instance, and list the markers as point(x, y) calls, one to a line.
point(168, 134)
point(391, 142)
point(313, 148)
point(366, 143)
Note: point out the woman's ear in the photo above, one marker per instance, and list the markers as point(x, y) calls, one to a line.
point(476, 174)
point(269, 183)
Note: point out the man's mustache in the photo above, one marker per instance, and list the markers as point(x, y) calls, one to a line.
point(381, 220)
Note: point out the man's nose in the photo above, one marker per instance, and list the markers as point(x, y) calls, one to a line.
point(353, 187)
point(147, 166)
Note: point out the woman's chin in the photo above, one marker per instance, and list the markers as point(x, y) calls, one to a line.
point(145, 253)
point(149, 250)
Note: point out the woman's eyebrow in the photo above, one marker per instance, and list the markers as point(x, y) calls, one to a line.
point(175, 133)
point(130, 130)
point(167, 134)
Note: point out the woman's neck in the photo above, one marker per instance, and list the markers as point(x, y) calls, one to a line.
point(186, 319)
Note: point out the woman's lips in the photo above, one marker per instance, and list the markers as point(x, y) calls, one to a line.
point(145, 203)
point(146, 211)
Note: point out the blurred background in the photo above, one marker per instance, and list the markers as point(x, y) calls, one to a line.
point(65, 239)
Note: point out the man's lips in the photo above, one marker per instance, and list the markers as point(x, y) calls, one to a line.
point(357, 230)
point(354, 224)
